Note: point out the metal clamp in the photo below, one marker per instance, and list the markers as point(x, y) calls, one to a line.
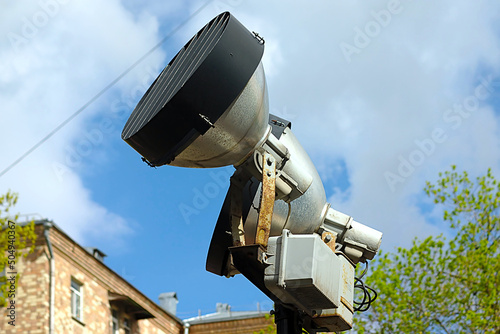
point(267, 199)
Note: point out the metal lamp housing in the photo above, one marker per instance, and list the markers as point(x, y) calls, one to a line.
point(208, 107)
point(235, 135)
point(304, 214)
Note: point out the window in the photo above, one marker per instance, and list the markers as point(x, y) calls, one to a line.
point(114, 321)
point(126, 325)
point(76, 299)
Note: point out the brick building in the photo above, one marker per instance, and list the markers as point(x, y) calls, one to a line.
point(66, 288)
point(226, 321)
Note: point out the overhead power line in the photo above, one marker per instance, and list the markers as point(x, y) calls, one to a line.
point(102, 91)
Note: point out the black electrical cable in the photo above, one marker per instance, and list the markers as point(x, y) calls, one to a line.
point(369, 294)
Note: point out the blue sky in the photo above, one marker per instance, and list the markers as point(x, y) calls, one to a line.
point(383, 96)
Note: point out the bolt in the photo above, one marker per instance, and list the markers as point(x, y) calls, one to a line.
point(328, 238)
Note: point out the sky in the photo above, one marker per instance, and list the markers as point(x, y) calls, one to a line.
point(382, 95)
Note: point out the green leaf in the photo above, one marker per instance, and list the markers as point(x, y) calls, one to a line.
point(439, 285)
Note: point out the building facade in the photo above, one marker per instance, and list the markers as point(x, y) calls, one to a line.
point(66, 288)
point(226, 321)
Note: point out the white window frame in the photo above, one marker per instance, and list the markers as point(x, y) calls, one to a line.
point(126, 325)
point(115, 322)
point(76, 299)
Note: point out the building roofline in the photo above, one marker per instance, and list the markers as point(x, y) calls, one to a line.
point(50, 224)
point(224, 316)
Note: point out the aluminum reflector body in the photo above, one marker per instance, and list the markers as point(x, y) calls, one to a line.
point(307, 211)
point(306, 215)
point(216, 80)
point(241, 128)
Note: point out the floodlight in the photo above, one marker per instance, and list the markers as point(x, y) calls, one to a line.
point(209, 108)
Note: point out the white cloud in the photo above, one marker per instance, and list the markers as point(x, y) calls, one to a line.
point(59, 54)
point(386, 99)
point(368, 109)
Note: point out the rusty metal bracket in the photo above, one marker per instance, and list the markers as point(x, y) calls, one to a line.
point(329, 239)
point(238, 181)
point(267, 199)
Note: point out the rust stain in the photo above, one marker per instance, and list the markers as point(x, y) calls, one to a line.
point(237, 231)
point(337, 317)
point(347, 304)
point(267, 199)
point(236, 193)
point(329, 239)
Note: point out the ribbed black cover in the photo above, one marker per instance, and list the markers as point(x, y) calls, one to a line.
point(175, 74)
point(193, 90)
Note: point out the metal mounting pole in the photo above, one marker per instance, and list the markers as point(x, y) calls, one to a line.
point(287, 320)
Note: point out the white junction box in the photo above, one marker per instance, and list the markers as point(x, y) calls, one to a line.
point(302, 270)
